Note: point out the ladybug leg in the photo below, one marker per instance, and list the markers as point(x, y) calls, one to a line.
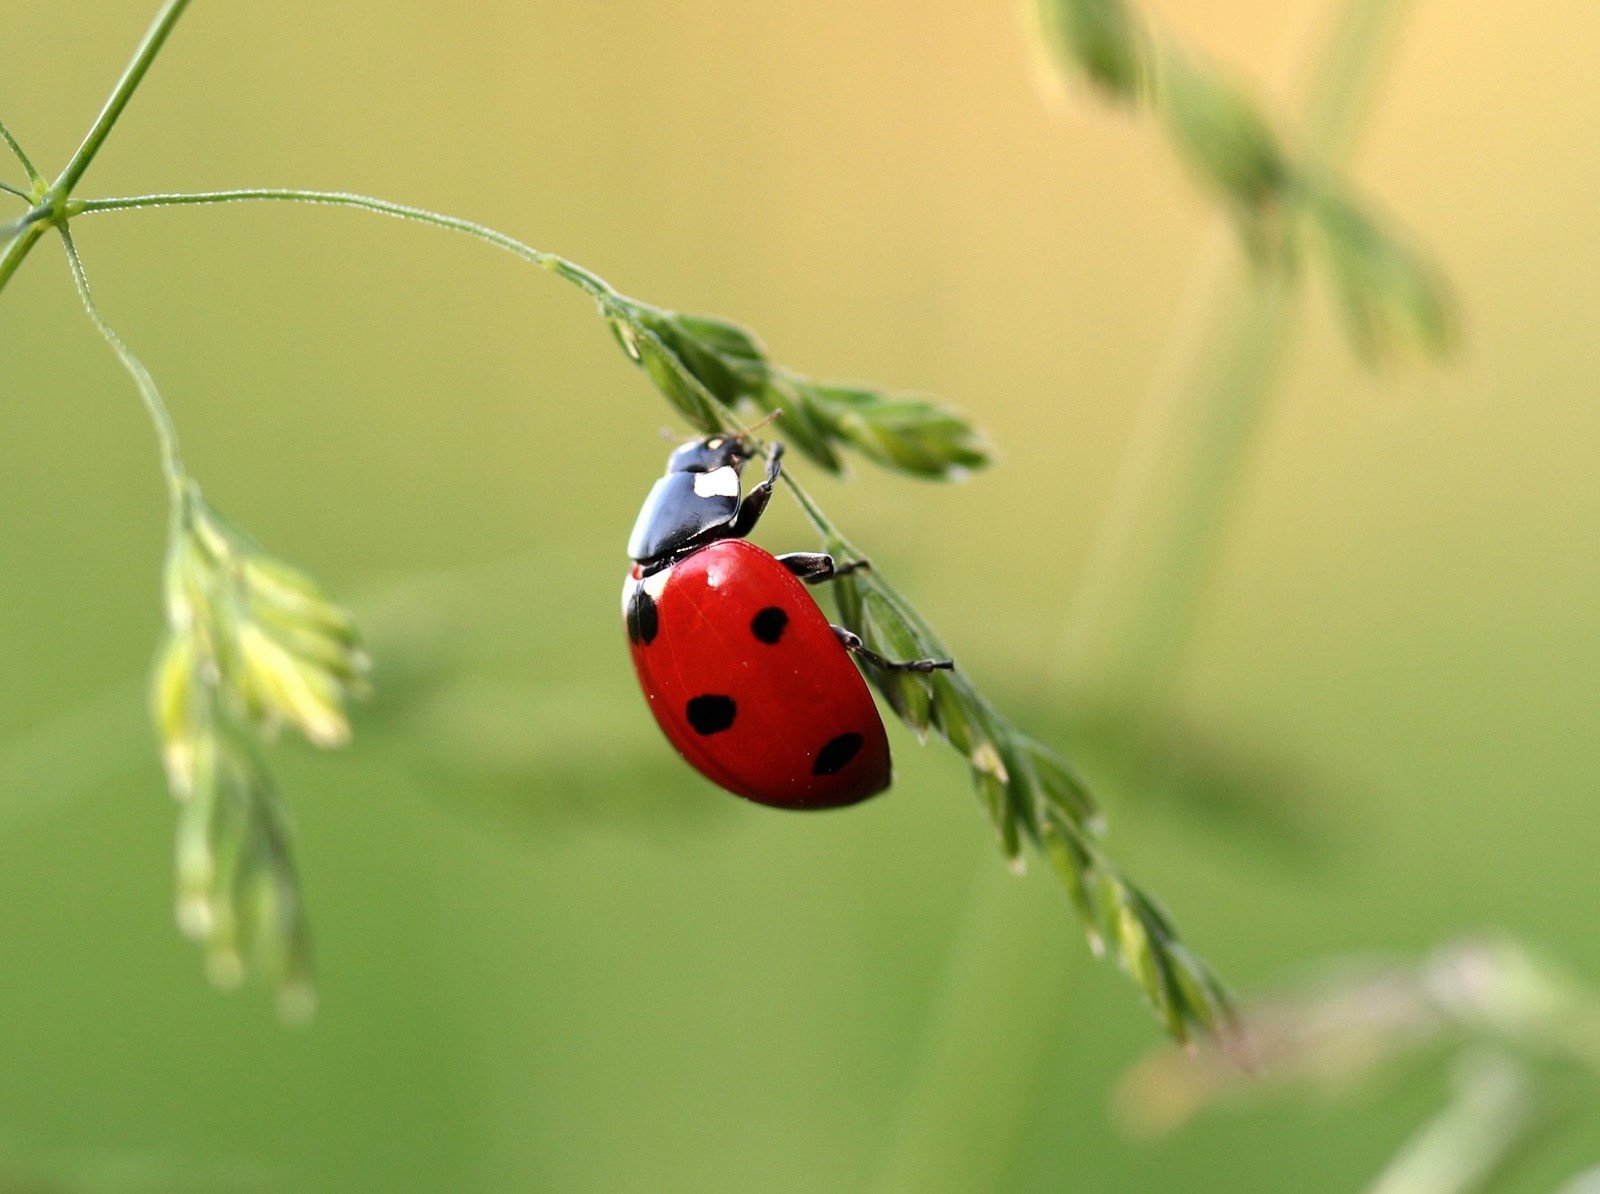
point(755, 502)
point(852, 642)
point(814, 567)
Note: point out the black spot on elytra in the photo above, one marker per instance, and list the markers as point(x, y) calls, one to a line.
point(711, 714)
point(769, 624)
point(643, 620)
point(831, 759)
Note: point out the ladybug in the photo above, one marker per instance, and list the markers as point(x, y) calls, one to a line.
point(744, 673)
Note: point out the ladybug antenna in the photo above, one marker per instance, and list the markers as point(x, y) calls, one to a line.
point(750, 431)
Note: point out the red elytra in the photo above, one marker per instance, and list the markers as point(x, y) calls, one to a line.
point(749, 681)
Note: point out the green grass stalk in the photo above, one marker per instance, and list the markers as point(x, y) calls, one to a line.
point(1147, 578)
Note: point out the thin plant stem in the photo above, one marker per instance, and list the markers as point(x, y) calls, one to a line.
point(37, 216)
point(11, 190)
point(166, 433)
point(18, 248)
point(33, 175)
point(19, 237)
point(1147, 578)
point(595, 286)
point(132, 76)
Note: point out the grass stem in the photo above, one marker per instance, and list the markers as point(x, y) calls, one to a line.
point(132, 76)
point(596, 287)
point(1147, 579)
point(166, 433)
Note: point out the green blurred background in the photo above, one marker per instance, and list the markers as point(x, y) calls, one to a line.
point(551, 958)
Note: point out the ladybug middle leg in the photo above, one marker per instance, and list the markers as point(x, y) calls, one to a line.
point(815, 567)
point(852, 642)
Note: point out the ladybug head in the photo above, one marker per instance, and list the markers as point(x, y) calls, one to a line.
point(709, 454)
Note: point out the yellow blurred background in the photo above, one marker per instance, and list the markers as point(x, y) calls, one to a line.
point(550, 957)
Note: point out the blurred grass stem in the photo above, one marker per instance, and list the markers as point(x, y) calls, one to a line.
point(944, 1139)
point(1147, 578)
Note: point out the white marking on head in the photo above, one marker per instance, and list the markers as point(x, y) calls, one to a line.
point(713, 444)
point(722, 482)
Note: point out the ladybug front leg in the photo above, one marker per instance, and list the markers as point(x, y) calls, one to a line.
point(815, 567)
point(755, 502)
point(852, 642)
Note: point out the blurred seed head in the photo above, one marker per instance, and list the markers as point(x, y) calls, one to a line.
point(1329, 1035)
point(252, 645)
point(238, 892)
point(264, 639)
